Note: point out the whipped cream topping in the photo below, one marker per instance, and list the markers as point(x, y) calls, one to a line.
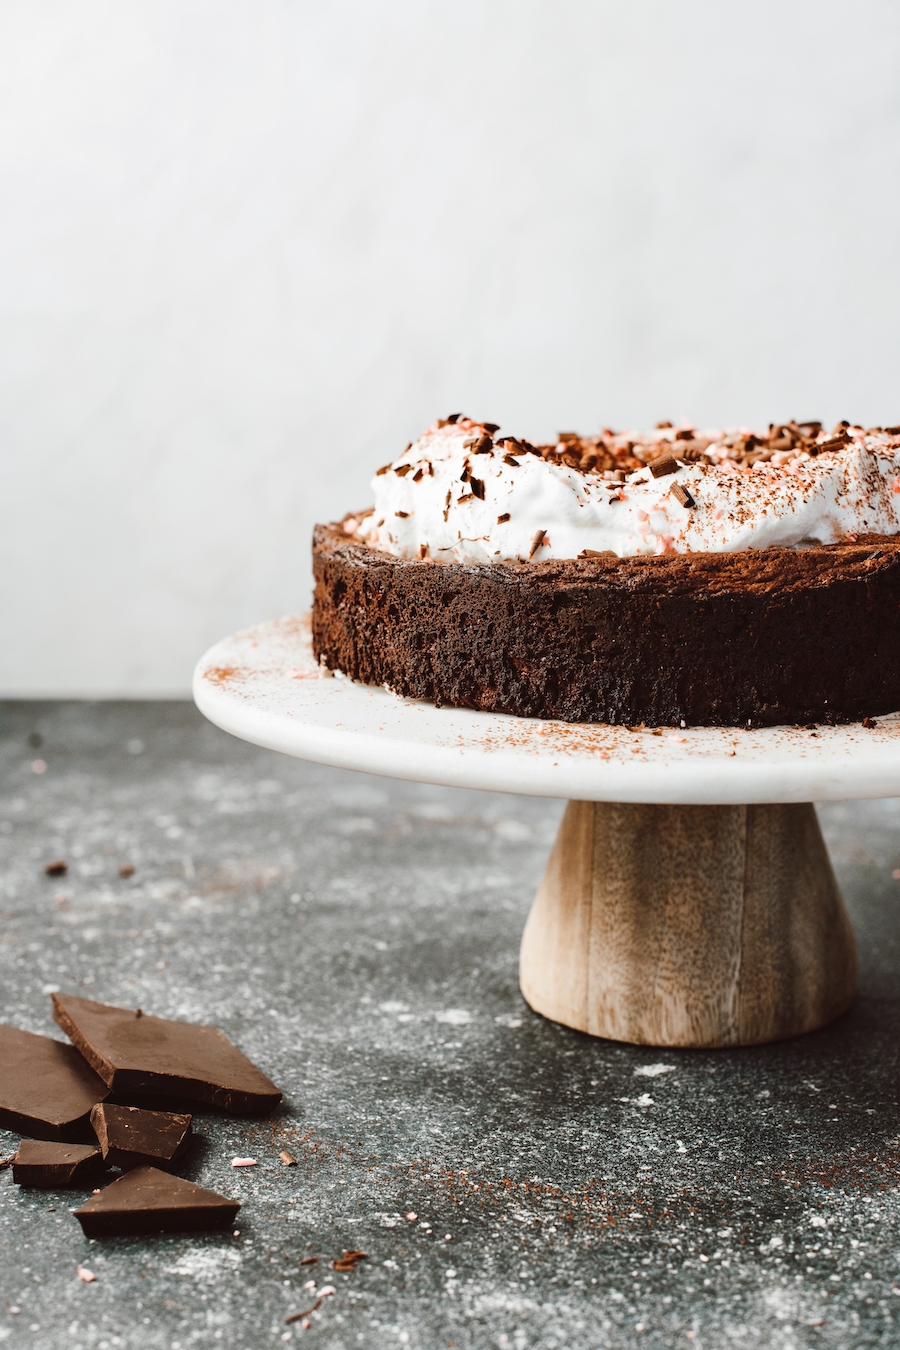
point(461, 493)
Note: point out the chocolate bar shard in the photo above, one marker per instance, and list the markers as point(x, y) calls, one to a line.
point(136, 1053)
point(147, 1200)
point(46, 1088)
point(43, 1163)
point(130, 1137)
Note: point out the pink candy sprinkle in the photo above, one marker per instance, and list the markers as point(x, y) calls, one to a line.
point(680, 740)
point(243, 1162)
point(38, 766)
point(86, 1275)
point(412, 1216)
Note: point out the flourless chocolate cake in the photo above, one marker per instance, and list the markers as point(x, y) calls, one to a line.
point(721, 591)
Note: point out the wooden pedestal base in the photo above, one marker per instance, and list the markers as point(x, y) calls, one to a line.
point(689, 925)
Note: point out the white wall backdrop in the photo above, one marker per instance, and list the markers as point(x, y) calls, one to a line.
point(248, 248)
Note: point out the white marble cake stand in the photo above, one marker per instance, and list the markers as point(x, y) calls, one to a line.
point(688, 899)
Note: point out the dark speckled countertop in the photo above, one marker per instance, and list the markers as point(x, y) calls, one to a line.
point(358, 938)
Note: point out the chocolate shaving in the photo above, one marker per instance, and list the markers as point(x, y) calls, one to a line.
point(664, 464)
point(491, 427)
point(681, 494)
point(290, 1161)
point(513, 463)
point(309, 1261)
point(869, 723)
point(348, 1261)
point(834, 443)
point(404, 515)
point(536, 542)
point(466, 497)
point(385, 468)
point(56, 869)
point(454, 417)
point(593, 553)
point(483, 446)
point(477, 486)
point(403, 470)
point(295, 1317)
point(501, 519)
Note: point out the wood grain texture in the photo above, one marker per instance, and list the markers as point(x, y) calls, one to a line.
point(689, 925)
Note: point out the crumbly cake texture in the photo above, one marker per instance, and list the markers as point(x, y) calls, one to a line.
point(762, 637)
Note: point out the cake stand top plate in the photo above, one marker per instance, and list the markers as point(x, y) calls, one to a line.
point(264, 686)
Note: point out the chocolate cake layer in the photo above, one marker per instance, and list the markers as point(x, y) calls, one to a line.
point(711, 639)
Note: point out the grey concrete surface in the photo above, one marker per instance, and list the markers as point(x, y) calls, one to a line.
point(358, 938)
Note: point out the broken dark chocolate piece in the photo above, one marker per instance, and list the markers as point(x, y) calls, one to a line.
point(49, 1165)
point(46, 1088)
point(57, 868)
point(130, 1137)
point(134, 1053)
point(147, 1200)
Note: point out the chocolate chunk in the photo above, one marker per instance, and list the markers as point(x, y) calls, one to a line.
point(48, 1165)
point(477, 486)
point(151, 1055)
point(130, 1137)
point(150, 1201)
point(502, 519)
point(513, 463)
point(491, 427)
point(46, 1089)
point(56, 869)
point(454, 417)
point(681, 494)
point(663, 465)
